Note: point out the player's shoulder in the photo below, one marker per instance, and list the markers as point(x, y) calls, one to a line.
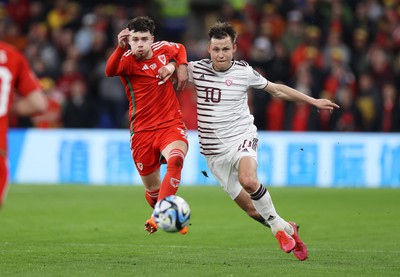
point(203, 62)
point(9, 48)
point(242, 63)
point(127, 53)
point(10, 54)
point(163, 44)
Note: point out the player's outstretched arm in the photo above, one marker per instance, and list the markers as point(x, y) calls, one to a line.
point(36, 102)
point(290, 94)
point(112, 66)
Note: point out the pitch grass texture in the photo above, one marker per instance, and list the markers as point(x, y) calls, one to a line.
point(74, 230)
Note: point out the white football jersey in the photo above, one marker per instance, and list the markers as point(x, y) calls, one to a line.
point(223, 113)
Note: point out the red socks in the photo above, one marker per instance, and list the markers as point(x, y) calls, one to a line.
point(151, 197)
point(172, 178)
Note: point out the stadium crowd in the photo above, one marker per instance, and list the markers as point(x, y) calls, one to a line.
point(348, 51)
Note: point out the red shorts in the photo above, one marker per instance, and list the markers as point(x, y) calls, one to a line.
point(146, 146)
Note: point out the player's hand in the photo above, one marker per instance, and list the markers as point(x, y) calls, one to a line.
point(182, 76)
point(325, 104)
point(123, 38)
point(165, 72)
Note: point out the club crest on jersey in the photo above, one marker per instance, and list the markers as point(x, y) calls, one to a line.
point(162, 59)
point(228, 82)
point(140, 166)
point(174, 182)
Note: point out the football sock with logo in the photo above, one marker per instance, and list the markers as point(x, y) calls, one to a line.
point(263, 203)
point(172, 178)
point(151, 197)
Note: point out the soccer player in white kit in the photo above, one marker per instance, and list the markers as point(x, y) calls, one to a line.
point(228, 137)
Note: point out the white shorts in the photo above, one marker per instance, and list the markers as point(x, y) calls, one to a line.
point(225, 167)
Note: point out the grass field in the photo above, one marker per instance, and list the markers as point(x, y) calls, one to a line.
point(98, 231)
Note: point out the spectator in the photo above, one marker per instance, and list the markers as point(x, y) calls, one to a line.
point(390, 120)
point(80, 109)
point(369, 103)
point(348, 118)
point(293, 35)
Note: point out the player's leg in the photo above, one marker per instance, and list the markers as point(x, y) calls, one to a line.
point(285, 232)
point(243, 200)
point(146, 159)
point(151, 184)
point(174, 154)
point(3, 178)
point(262, 202)
point(173, 145)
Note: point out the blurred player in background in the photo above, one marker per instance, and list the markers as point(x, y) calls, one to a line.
point(15, 74)
point(228, 136)
point(158, 133)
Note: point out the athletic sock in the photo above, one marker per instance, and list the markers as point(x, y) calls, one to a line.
point(288, 228)
point(172, 178)
point(151, 197)
point(263, 203)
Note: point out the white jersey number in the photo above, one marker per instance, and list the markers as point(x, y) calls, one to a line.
point(5, 89)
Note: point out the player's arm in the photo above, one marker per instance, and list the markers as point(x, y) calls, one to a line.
point(165, 72)
point(290, 94)
point(181, 65)
point(34, 103)
point(113, 62)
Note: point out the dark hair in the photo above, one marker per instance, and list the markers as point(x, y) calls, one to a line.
point(141, 24)
point(221, 30)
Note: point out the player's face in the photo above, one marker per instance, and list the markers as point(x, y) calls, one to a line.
point(141, 44)
point(221, 53)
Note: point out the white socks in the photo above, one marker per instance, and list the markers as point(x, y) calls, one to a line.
point(263, 203)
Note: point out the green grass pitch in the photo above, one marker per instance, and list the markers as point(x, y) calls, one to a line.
point(77, 230)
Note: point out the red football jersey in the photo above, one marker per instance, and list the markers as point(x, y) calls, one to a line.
point(15, 73)
point(151, 105)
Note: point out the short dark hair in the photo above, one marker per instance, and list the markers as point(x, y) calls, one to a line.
point(141, 24)
point(221, 30)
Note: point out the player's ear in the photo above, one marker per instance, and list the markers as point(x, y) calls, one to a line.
point(152, 39)
point(234, 47)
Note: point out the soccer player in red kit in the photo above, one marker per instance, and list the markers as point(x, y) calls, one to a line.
point(158, 133)
point(15, 74)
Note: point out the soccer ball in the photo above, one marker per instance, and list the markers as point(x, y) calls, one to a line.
point(172, 213)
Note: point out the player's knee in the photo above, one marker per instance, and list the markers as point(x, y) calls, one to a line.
point(249, 183)
point(175, 162)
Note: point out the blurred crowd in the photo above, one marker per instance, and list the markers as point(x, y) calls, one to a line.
point(348, 51)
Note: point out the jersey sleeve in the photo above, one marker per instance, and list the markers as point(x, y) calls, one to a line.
point(177, 52)
point(181, 56)
point(114, 65)
point(255, 79)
